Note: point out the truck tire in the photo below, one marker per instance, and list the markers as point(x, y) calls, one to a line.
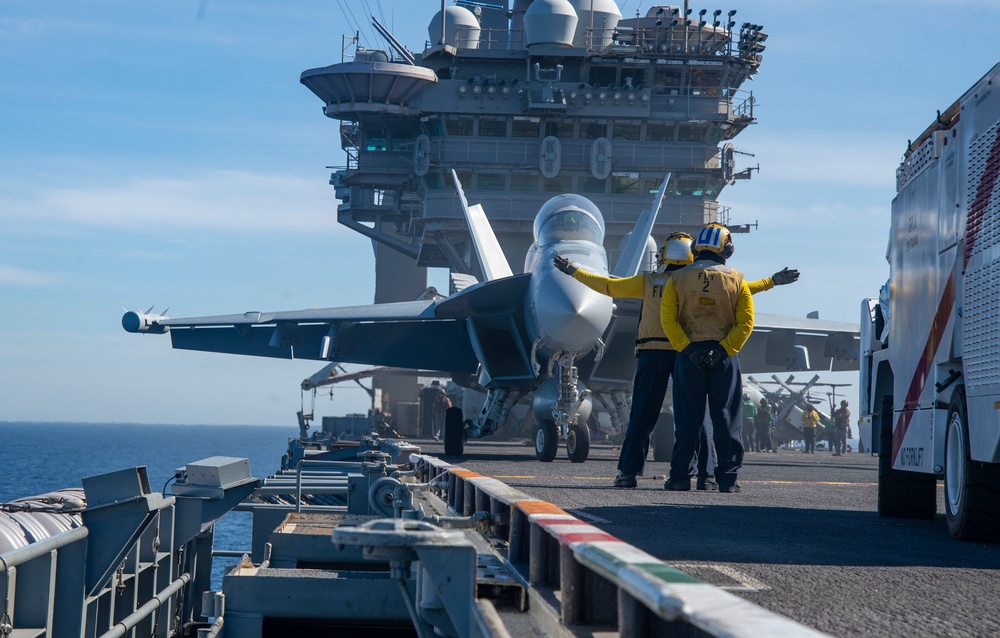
point(546, 439)
point(663, 438)
point(454, 432)
point(901, 494)
point(578, 442)
point(971, 488)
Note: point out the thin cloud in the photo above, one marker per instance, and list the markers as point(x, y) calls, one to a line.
point(14, 276)
point(238, 201)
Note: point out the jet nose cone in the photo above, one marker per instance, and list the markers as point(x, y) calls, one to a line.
point(570, 316)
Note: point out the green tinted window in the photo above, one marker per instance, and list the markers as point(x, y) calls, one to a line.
point(493, 128)
point(460, 127)
point(659, 132)
point(625, 185)
point(691, 186)
point(491, 181)
point(524, 128)
point(559, 129)
point(522, 182)
point(432, 181)
point(591, 130)
point(433, 127)
point(625, 131)
point(375, 140)
point(559, 184)
point(592, 185)
point(689, 133)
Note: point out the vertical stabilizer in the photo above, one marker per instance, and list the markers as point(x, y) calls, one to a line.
point(631, 257)
point(491, 257)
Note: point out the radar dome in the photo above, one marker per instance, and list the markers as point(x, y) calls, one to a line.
point(550, 22)
point(602, 15)
point(461, 28)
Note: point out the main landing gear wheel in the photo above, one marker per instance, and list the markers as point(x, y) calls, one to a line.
point(578, 442)
point(901, 494)
point(454, 432)
point(971, 488)
point(546, 438)
point(663, 438)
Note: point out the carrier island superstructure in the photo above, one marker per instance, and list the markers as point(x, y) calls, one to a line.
point(525, 100)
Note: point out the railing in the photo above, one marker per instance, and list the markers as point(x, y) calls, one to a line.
point(603, 581)
point(53, 600)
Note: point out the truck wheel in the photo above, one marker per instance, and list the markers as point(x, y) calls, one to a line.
point(901, 494)
point(663, 437)
point(454, 432)
point(546, 438)
point(971, 488)
point(578, 442)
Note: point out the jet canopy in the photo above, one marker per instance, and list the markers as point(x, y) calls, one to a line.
point(569, 217)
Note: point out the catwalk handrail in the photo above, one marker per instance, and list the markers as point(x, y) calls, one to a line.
point(603, 580)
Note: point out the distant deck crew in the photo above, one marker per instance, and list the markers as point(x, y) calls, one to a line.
point(841, 426)
point(810, 420)
point(749, 431)
point(707, 313)
point(438, 409)
point(764, 425)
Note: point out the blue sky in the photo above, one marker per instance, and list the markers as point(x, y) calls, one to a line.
point(163, 152)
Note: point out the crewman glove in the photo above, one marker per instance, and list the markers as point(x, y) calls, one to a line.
point(564, 265)
point(785, 276)
point(707, 359)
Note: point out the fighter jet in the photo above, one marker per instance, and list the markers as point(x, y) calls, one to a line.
point(540, 335)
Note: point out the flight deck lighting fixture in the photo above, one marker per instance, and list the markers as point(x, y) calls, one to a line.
point(752, 41)
point(675, 16)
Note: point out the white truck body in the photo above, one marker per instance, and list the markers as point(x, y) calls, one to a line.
point(940, 369)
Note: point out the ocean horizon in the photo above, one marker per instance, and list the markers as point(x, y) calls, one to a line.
point(43, 456)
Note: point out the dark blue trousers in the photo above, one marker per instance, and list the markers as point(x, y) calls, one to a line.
point(722, 387)
point(649, 388)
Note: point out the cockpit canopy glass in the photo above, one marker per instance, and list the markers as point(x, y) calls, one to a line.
point(569, 217)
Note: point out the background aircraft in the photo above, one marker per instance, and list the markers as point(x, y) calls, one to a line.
point(539, 334)
point(790, 398)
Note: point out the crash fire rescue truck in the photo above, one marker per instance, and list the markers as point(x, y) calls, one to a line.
point(930, 361)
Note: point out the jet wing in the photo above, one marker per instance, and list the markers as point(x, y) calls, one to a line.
point(777, 344)
point(780, 344)
point(483, 324)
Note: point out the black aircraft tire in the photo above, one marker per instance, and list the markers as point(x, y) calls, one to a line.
point(454, 432)
point(663, 438)
point(578, 443)
point(901, 494)
point(971, 488)
point(546, 438)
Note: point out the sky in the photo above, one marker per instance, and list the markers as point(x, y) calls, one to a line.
point(163, 152)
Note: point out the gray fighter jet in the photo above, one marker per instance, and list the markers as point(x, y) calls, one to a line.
point(539, 334)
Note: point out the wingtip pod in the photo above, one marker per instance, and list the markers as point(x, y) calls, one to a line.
point(134, 321)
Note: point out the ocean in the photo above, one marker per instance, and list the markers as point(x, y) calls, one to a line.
point(41, 457)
